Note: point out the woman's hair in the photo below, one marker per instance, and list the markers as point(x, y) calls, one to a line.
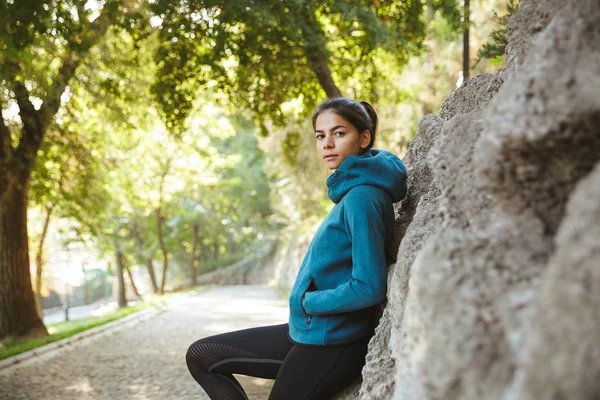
point(359, 113)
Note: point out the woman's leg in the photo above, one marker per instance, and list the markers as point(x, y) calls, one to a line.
point(255, 352)
point(319, 373)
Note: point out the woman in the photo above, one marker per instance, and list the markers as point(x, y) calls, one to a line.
point(340, 282)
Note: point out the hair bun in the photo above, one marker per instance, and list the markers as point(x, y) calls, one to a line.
point(372, 114)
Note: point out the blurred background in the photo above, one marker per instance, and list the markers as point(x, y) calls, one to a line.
point(165, 139)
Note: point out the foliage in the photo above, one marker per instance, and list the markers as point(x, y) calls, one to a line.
point(53, 30)
point(450, 11)
point(495, 47)
point(68, 175)
point(264, 54)
point(212, 176)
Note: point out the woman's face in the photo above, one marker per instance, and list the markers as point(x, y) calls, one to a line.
point(337, 138)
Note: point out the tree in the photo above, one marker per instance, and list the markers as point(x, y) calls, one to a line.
point(142, 254)
point(165, 167)
point(62, 33)
point(495, 47)
point(66, 181)
point(263, 54)
point(466, 29)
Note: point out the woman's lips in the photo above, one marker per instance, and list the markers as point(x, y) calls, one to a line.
point(329, 156)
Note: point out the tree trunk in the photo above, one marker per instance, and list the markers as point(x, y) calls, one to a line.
point(163, 249)
point(39, 264)
point(216, 248)
point(466, 12)
point(147, 260)
point(133, 286)
point(319, 65)
point(193, 271)
point(316, 52)
point(204, 255)
point(18, 315)
point(122, 298)
point(230, 244)
point(161, 241)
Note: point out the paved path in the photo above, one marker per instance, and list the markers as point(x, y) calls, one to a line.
point(90, 310)
point(147, 361)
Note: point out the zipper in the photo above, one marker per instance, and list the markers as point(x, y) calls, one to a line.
point(308, 316)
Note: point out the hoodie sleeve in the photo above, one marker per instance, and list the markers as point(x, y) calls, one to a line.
point(364, 218)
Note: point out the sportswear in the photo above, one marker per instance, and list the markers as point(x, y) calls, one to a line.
point(300, 372)
point(344, 272)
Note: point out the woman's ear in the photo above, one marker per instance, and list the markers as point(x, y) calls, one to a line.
point(365, 139)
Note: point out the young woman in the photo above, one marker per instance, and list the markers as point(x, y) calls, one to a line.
point(340, 282)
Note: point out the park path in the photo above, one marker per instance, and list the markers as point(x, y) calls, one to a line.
point(147, 361)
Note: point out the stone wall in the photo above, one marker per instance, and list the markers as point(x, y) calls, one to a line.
point(275, 263)
point(256, 268)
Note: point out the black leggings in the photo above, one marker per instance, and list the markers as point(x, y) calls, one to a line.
point(300, 372)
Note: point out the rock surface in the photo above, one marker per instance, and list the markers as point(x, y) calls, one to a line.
point(496, 289)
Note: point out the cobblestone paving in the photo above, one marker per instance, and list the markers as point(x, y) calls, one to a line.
point(147, 361)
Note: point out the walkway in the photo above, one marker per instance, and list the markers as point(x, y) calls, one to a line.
point(57, 314)
point(147, 361)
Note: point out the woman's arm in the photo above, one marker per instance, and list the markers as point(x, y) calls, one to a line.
point(364, 216)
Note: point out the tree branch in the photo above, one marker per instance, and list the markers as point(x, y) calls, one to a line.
point(32, 134)
point(35, 122)
point(51, 103)
point(316, 52)
point(97, 29)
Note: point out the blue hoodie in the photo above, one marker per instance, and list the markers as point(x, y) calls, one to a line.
point(344, 272)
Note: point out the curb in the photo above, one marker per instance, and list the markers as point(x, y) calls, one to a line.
point(51, 349)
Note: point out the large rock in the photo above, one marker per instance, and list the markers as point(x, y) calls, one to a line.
point(496, 287)
point(563, 344)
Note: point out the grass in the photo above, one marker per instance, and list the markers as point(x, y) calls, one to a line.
point(11, 346)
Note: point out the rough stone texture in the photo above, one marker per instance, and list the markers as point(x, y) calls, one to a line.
point(532, 18)
point(418, 206)
point(474, 94)
point(568, 353)
point(486, 299)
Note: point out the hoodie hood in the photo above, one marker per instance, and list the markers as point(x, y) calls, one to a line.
point(377, 168)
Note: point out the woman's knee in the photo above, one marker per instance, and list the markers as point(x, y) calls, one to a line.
point(205, 354)
point(196, 357)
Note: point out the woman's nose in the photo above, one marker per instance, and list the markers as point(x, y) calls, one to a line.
point(328, 143)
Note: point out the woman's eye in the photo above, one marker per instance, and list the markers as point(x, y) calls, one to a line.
point(339, 133)
point(321, 136)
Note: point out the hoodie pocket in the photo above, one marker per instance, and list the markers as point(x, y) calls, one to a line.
point(311, 286)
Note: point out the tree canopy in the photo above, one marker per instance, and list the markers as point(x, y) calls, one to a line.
point(173, 133)
point(278, 50)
